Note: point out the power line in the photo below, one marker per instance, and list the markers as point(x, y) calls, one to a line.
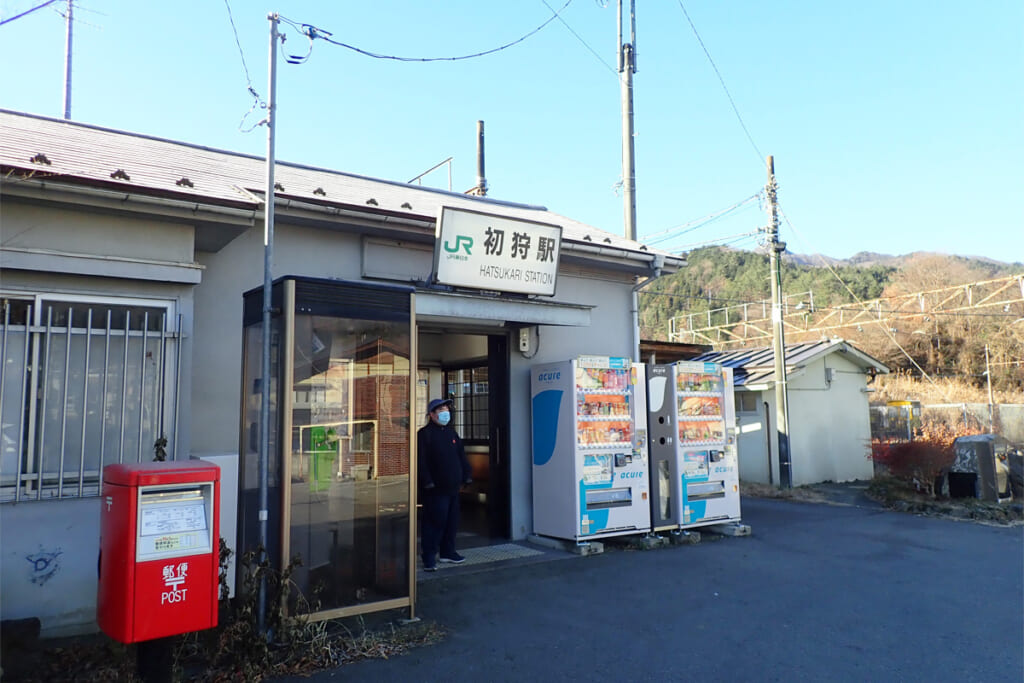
point(312, 33)
point(722, 240)
point(671, 233)
point(234, 30)
point(257, 101)
point(817, 308)
point(722, 81)
point(28, 11)
point(580, 38)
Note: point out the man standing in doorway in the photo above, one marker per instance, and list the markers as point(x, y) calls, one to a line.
point(443, 470)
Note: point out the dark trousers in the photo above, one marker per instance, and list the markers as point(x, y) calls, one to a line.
point(439, 522)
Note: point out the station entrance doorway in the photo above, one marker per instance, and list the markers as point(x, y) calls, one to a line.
point(471, 368)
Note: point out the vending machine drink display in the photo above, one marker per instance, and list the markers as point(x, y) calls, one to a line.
point(589, 448)
point(159, 549)
point(694, 468)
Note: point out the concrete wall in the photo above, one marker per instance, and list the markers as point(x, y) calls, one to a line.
point(48, 558)
point(307, 252)
point(235, 269)
point(829, 424)
point(79, 232)
point(49, 550)
point(609, 334)
point(50, 547)
point(48, 562)
point(830, 429)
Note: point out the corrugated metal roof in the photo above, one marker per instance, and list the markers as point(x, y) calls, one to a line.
point(757, 366)
point(144, 164)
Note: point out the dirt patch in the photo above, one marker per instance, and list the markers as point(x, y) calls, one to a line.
point(894, 495)
point(803, 494)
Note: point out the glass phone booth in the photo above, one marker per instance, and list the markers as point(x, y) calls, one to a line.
point(341, 386)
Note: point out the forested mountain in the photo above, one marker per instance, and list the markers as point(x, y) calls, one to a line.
point(719, 277)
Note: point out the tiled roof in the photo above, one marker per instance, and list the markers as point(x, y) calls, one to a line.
point(84, 153)
point(757, 366)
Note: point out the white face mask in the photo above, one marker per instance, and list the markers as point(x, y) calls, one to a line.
point(444, 418)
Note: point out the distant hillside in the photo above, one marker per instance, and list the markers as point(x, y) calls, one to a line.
point(719, 277)
point(866, 259)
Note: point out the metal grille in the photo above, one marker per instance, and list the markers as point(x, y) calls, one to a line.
point(83, 384)
point(468, 388)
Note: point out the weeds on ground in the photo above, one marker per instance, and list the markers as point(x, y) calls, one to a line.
point(898, 386)
point(919, 463)
point(235, 650)
point(897, 495)
point(296, 645)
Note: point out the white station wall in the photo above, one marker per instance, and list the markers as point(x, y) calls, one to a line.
point(307, 252)
point(610, 334)
point(50, 547)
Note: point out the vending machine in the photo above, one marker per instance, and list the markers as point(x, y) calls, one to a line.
point(589, 425)
point(693, 460)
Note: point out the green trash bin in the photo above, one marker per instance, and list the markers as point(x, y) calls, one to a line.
point(323, 446)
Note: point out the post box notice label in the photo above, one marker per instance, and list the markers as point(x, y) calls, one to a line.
point(171, 528)
point(173, 519)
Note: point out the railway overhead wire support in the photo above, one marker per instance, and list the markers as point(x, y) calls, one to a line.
point(750, 324)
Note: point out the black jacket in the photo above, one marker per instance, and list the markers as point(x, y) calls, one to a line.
point(443, 466)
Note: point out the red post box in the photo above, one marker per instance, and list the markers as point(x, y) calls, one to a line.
point(159, 548)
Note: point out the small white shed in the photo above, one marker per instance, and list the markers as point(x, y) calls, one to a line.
point(829, 423)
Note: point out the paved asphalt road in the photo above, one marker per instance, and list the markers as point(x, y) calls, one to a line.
point(817, 593)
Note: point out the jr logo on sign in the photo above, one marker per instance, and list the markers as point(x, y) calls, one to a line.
point(174, 577)
point(461, 242)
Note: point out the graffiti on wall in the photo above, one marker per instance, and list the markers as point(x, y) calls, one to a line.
point(45, 564)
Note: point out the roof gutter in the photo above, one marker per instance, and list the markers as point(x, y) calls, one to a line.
point(666, 260)
point(116, 199)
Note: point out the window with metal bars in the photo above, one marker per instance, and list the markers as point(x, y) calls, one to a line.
point(468, 389)
point(83, 383)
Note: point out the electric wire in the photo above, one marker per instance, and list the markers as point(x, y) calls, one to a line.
point(580, 38)
point(257, 100)
point(27, 12)
point(846, 307)
point(722, 81)
point(713, 214)
point(672, 233)
point(884, 328)
point(753, 144)
point(312, 32)
point(741, 236)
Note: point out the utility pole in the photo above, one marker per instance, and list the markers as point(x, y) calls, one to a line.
point(481, 177)
point(67, 62)
point(627, 67)
point(268, 260)
point(991, 403)
point(775, 249)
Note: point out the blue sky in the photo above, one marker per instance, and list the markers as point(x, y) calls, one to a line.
point(895, 126)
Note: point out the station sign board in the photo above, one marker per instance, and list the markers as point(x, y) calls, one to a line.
point(496, 253)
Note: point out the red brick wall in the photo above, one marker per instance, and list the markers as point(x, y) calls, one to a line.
point(385, 398)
